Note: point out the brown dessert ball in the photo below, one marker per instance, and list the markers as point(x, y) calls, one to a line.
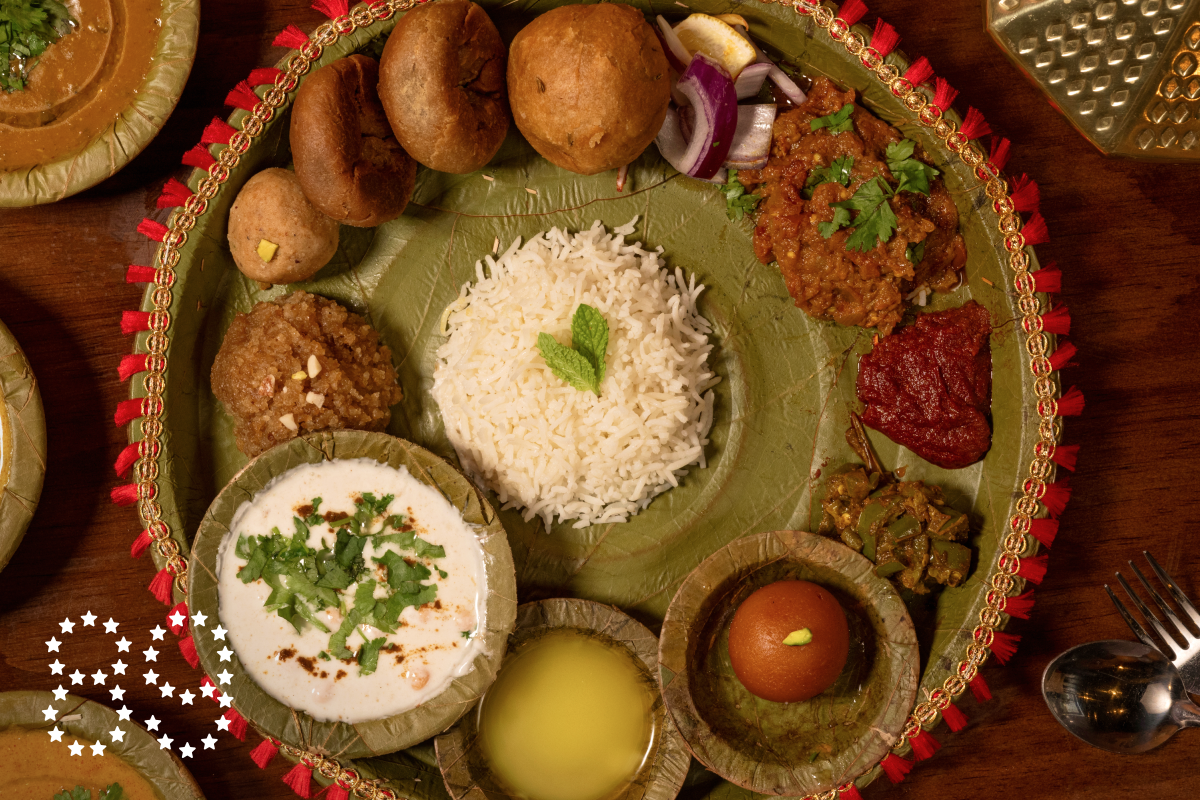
point(441, 80)
point(272, 207)
point(347, 159)
point(588, 86)
point(307, 361)
point(772, 670)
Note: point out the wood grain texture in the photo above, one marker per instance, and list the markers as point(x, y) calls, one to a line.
point(1126, 235)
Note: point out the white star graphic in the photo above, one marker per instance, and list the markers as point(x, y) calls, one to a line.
point(186, 751)
point(151, 677)
point(116, 734)
point(50, 713)
point(176, 619)
point(222, 724)
point(67, 626)
point(60, 693)
point(111, 626)
point(157, 633)
point(57, 667)
point(186, 698)
point(207, 689)
point(151, 654)
point(219, 632)
point(76, 749)
point(224, 653)
point(97, 749)
point(89, 619)
point(164, 742)
point(124, 713)
point(98, 678)
point(223, 676)
point(119, 667)
point(199, 618)
point(76, 677)
point(167, 690)
point(117, 692)
point(56, 735)
point(225, 700)
point(152, 724)
point(52, 645)
point(209, 742)
point(123, 645)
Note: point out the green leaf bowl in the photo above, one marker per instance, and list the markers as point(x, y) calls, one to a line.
point(22, 445)
point(373, 737)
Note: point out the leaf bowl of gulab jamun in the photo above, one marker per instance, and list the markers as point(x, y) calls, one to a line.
point(788, 664)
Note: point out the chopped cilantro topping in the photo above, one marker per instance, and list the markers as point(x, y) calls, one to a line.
point(467, 634)
point(838, 172)
point(27, 28)
point(368, 656)
point(875, 221)
point(837, 122)
point(913, 175)
point(915, 252)
point(737, 202)
point(111, 792)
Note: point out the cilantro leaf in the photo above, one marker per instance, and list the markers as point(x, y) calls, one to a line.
point(589, 336)
point(254, 566)
point(78, 793)
point(737, 202)
point(841, 217)
point(913, 175)
point(875, 221)
point(915, 252)
point(399, 570)
point(837, 122)
point(428, 550)
point(113, 792)
point(568, 364)
point(368, 656)
point(838, 172)
point(27, 28)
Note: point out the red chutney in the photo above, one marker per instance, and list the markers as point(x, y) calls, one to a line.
point(929, 386)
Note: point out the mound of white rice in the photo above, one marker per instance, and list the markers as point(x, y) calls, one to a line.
point(537, 442)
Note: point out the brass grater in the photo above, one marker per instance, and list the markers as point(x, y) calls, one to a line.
point(1126, 73)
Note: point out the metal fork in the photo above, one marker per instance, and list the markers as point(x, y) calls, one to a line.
point(1178, 642)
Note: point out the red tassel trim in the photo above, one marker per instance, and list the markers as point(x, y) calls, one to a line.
point(999, 151)
point(127, 459)
point(943, 94)
point(1004, 646)
point(974, 126)
point(884, 40)
point(1035, 231)
point(290, 37)
point(264, 76)
point(1057, 495)
point(131, 365)
point(139, 274)
point(980, 689)
point(140, 544)
point(128, 411)
point(134, 322)
point(263, 754)
point(173, 194)
point(1033, 568)
point(852, 11)
point(1065, 455)
point(919, 71)
point(1019, 606)
point(1061, 357)
point(217, 132)
point(1071, 404)
point(198, 157)
point(243, 97)
point(335, 792)
point(179, 629)
point(299, 779)
point(237, 723)
point(125, 495)
point(895, 767)
point(1057, 320)
point(1044, 530)
point(1048, 279)
point(956, 720)
point(188, 648)
point(1025, 196)
point(332, 8)
point(152, 230)
point(160, 587)
point(924, 745)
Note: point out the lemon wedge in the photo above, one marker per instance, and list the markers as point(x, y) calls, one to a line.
point(701, 33)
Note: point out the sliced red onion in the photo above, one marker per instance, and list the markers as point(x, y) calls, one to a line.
point(750, 80)
point(752, 141)
point(786, 85)
point(710, 93)
point(676, 52)
point(622, 176)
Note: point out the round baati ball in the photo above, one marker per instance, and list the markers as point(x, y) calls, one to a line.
point(346, 156)
point(588, 85)
point(441, 81)
point(275, 234)
point(788, 641)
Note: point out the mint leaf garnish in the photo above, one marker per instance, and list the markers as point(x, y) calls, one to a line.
point(589, 336)
point(582, 365)
point(837, 122)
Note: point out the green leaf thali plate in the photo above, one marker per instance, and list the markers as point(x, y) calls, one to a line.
point(787, 384)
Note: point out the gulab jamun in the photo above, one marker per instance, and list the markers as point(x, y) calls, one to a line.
point(788, 641)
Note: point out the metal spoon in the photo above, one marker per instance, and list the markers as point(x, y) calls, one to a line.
point(1119, 696)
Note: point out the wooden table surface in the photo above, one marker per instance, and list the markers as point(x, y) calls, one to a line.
point(1126, 235)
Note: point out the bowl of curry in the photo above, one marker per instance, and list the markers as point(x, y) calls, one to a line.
point(79, 110)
